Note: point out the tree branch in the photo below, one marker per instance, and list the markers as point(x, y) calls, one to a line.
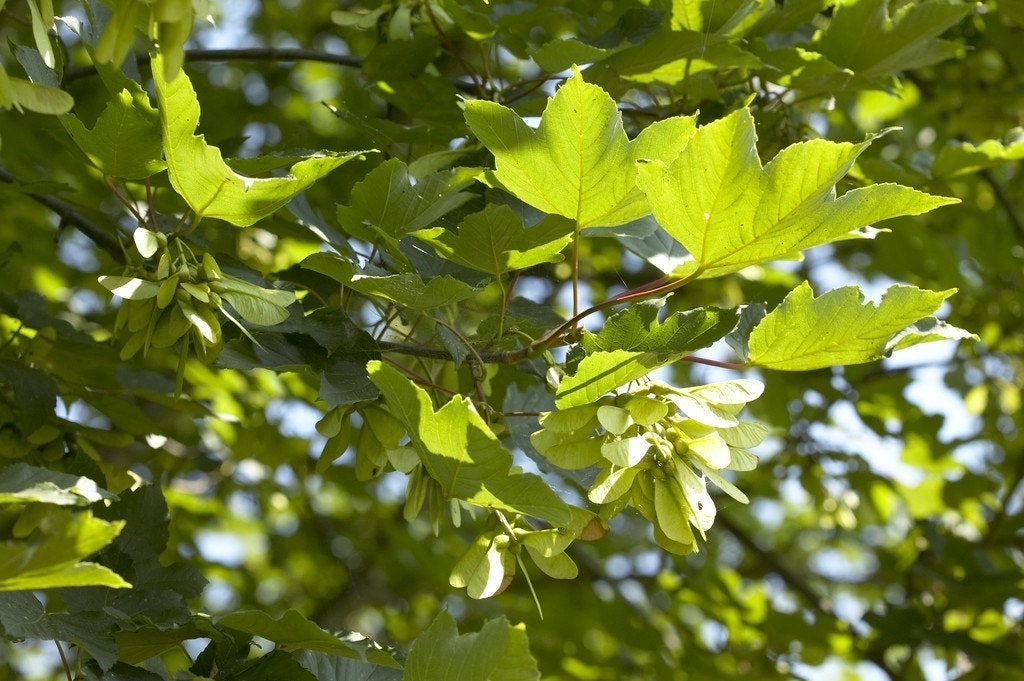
point(820, 603)
point(69, 215)
point(1004, 200)
point(506, 357)
point(276, 54)
point(999, 516)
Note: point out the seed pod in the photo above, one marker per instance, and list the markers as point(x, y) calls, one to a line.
point(163, 268)
point(168, 287)
point(200, 291)
point(171, 326)
point(139, 313)
point(134, 343)
point(415, 494)
point(679, 444)
point(211, 270)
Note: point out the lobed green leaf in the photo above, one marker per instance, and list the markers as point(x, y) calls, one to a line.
point(838, 327)
point(499, 652)
point(578, 163)
point(729, 212)
point(496, 241)
point(209, 185)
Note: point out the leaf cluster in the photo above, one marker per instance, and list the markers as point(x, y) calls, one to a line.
point(546, 315)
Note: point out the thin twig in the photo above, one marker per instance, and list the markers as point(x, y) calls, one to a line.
point(69, 215)
point(478, 82)
point(63, 659)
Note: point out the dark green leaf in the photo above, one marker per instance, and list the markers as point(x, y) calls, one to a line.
point(22, 483)
point(34, 391)
point(292, 632)
point(333, 668)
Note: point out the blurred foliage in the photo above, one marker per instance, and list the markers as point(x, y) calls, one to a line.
point(885, 529)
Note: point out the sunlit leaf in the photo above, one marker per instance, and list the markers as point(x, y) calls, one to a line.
point(480, 570)
point(21, 483)
point(838, 327)
point(198, 171)
point(125, 140)
point(962, 158)
point(462, 453)
point(729, 212)
point(22, 94)
point(131, 288)
point(578, 163)
point(54, 560)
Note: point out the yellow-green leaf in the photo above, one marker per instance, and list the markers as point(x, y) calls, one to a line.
point(199, 174)
point(729, 212)
point(838, 327)
point(578, 163)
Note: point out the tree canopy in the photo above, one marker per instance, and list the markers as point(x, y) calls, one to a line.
point(508, 340)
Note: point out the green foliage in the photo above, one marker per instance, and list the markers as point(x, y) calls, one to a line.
point(125, 140)
point(578, 163)
point(805, 332)
point(534, 337)
point(197, 170)
point(461, 453)
point(498, 651)
point(730, 213)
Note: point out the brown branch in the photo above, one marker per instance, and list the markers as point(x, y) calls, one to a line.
point(69, 215)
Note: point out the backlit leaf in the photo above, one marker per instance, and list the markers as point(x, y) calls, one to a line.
point(199, 174)
point(729, 212)
point(54, 560)
point(838, 327)
point(578, 163)
point(125, 140)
